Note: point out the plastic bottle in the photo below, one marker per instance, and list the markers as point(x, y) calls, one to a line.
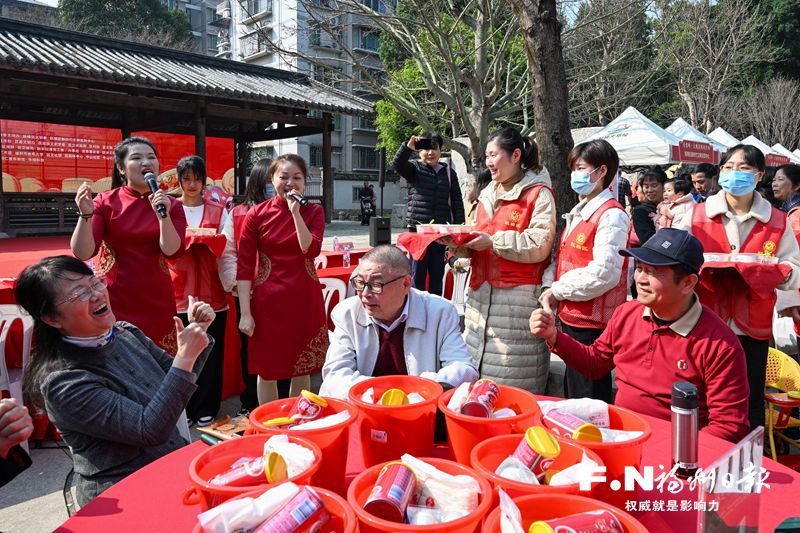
point(684, 428)
point(335, 243)
point(346, 257)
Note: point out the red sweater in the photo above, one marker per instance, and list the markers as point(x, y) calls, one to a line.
point(699, 348)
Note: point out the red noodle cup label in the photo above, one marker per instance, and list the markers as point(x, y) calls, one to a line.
point(305, 512)
point(248, 473)
point(392, 492)
point(600, 521)
point(305, 410)
point(481, 399)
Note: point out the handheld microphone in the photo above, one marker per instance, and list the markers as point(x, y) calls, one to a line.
point(150, 179)
point(297, 198)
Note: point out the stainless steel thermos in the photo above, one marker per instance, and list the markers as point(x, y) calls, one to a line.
point(684, 428)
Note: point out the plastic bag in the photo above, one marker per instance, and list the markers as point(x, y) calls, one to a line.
point(513, 468)
point(368, 396)
point(510, 516)
point(323, 422)
point(459, 397)
point(248, 513)
point(453, 496)
point(573, 474)
point(423, 516)
point(298, 458)
point(505, 412)
point(618, 435)
point(592, 411)
point(415, 397)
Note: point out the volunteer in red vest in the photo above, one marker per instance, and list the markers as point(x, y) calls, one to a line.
point(259, 189)
point(590, 274)
point(196, 274)
point(516, 221)
point(739, 220)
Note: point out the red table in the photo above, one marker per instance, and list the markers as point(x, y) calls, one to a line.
point(150, 499)
point(336, 259)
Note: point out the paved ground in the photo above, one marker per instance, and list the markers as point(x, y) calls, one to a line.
point(34, 502)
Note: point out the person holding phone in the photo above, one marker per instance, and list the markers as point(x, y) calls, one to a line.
point(434, 196)
point(284, 314)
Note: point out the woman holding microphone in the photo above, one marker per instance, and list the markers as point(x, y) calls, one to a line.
point(285, 313)
point(133, 232)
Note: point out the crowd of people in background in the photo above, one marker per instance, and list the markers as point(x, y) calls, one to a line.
point(133, 337)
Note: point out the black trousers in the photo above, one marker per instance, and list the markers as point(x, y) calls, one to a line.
point(248, 397)
point(576, 385)
point(206, 399)
point(755, 353)
point(431, 266)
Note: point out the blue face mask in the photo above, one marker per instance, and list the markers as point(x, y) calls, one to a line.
point(581, 183)
point(737, 182)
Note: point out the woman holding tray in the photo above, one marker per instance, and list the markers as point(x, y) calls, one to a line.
point(739, 220)
point(516, 221)
point(196, 274)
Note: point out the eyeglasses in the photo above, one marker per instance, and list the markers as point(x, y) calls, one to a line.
point(84, 293)
point(376, 287)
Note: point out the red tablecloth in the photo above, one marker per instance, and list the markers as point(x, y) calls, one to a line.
point(150, 499)
point(335, 259)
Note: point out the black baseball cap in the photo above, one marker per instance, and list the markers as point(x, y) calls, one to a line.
point(669, 246)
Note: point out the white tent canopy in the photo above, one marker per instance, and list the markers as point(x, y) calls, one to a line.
point(782, 150)
point(580, 135)
point(685, 131)
point(723, 137)
point(638, 140)
point(761, 145)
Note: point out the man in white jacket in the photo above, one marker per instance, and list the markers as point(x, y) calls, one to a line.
point(390, 328)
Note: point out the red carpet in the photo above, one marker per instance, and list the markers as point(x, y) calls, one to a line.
point(19, 252)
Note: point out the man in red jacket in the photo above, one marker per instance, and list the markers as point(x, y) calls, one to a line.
point(663, 336)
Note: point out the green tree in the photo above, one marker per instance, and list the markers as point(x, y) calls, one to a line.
point(784, 35)
point(148, 21)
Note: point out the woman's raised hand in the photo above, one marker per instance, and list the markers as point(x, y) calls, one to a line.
point(192, 340)
point(200, 313)
point(83, 199)
point(160, 198)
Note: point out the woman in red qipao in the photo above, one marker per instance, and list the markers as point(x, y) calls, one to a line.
point(197, 274)
point(285, 314)
point(133, 241)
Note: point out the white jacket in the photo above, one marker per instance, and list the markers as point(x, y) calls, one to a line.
point(432, 344)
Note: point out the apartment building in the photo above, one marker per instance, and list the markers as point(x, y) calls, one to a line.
point(314, 29)
point(201, 13)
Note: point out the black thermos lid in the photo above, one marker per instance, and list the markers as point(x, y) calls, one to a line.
point(684, 395)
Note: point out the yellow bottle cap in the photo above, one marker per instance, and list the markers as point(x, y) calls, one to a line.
point(541, 526)
point(275, 468)
point(794, 394)
point(548, 475)
point(394, 397)
point(280, 421)
point(588, 433)
point(319, 400)
point(542, 442)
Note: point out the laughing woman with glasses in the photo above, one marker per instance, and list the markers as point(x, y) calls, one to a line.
point(113, 394)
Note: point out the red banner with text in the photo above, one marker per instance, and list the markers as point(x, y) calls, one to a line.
point(40, 157)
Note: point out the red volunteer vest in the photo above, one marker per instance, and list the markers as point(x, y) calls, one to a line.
point(751, 313)
point(513, 215)
point(196, 271)
point(576, 252)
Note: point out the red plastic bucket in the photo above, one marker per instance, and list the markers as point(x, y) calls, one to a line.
point(332, 440)
point(464, 432)
point(387, 432)
point(617, 455)
point(547, 506)
point(343, 519)
point(488, 455)
point(362, 485)
point(218, 458)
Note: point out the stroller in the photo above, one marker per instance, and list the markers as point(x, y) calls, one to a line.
point(367, 210)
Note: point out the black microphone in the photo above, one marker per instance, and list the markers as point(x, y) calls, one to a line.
point(297, 198)
point(150, 178)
